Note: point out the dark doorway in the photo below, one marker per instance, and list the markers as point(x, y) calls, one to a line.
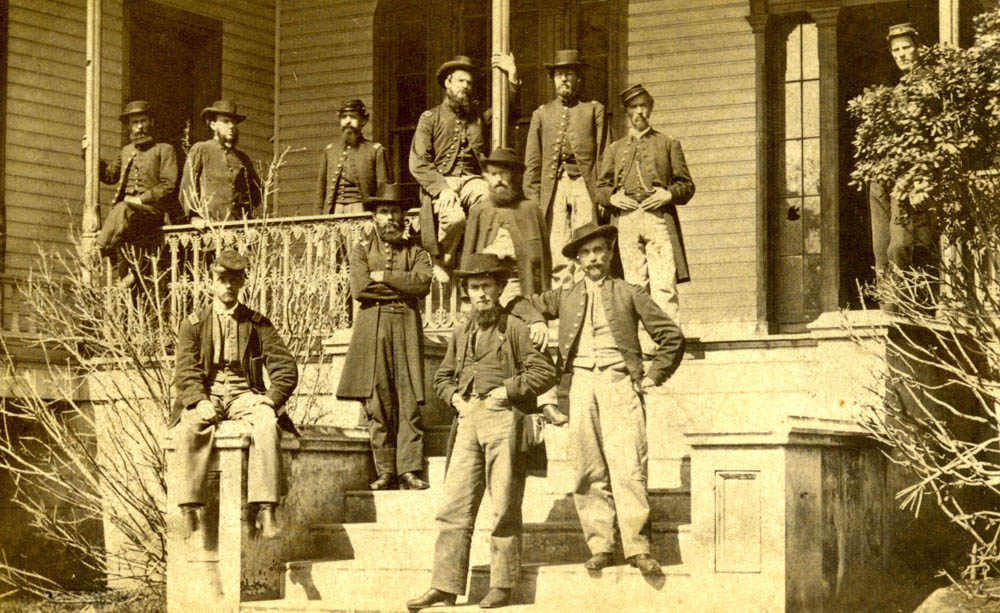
point(173, 60)
point(864, 60)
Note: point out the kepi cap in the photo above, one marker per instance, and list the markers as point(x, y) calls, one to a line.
point(902, 29)
point(633, 92)
point(353, 106)
point(135, 107)
point(230, 260)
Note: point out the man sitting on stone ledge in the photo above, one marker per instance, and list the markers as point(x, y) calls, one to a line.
point(221, 354)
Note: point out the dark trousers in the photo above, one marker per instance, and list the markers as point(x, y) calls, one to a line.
point(394, 423)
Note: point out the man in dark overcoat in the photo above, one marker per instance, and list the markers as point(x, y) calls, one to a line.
point(222, 353)
point(566, 139)
point(601, 360)
point(146, 174)
point(491, 374)
point(444, 158)
point(352, 167)
point(384, 365)
point(643, 180)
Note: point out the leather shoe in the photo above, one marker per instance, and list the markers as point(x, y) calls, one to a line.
point(385, 481)
point(431, 597)
point(598, 561)
point(269, 528)
point(646, 564)
point(410, 481)
point(497, 597)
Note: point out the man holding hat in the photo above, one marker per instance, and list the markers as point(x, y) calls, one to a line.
point(565, 141)
point(600, 356)
point(222, 353)
point(643, 180)
point(902, 244)
point(219, 181)
point(444, 158)
point(510, 226)
point(352, 167)
point(384, 366)
point(146, 174)
point(491, 375)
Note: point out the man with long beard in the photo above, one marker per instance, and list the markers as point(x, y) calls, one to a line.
point(565, 141)
point(444, 158)
point(146, 173)
point(491, 375)
point(352, 167)
point(383, 368)
point(219, 181)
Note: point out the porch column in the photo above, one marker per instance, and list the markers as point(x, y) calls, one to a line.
point(759, 25)
point(501, 95)
point(92, 186)
point(829, 155)
point(948, 14)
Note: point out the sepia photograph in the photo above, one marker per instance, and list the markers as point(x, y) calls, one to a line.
point(568, 306)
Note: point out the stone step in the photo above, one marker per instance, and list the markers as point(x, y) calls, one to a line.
point(553, 541)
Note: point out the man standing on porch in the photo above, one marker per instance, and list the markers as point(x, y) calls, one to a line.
point(384, 366)
point(599, 351)
point(565, 142)
point(351, 168)
point(444, 158)
point(219, 181)
point(643, 180)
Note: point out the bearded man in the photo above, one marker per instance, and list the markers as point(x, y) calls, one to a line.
point(383, 368)
point(146, 174)
point(565, 141)
point(219, 181)
point(444, 158)
point(352, 167)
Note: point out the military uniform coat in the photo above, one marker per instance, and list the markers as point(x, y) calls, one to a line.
point(526, 225)
point(366, 165)
point(155, 171)
point(260, 347)
point(407, 279)
point(583, 128)
point(223, 180)
point(662, 163)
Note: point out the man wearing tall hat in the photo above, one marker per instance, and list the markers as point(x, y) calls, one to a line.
point(643, 180)
point(893, 241)
point(491, 375)
point(444, 157)
point(222, 354)
point(383, 368)
point(600, 357)
point(219, 181)
point(146, 174)
point(566, 139)
point(352, 167)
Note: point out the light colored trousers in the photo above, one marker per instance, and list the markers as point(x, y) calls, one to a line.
point(607, 433)
point(648, 258)
point(471, 190)
point(571, 208)
point(480, 460)
point(194, 438)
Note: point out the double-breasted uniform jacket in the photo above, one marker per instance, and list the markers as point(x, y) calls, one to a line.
point(365, 164)
point(554, 127)
point(625, 306)
point(526, 225)
point(662, 163)
point(156, 168)
point(407, 279)
point(529, 372)
point(260, 347)
point(222, 180)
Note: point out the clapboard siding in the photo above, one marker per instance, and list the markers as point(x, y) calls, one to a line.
point(45, 106)
point(326, 57)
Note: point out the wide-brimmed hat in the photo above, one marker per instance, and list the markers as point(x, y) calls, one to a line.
point(402, 194)
point(230, 260)
point(505, 157)
point(135, 107)
point(633, 92)
point(585, 233)
point(222, 107)
point(353, 106)
point(459, 62)
point(566, 58)
point(481, 264)
point(902, 29)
